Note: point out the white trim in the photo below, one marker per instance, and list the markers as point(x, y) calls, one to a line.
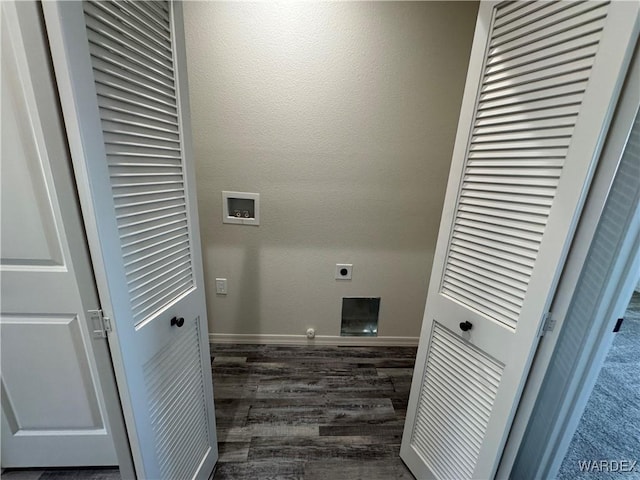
point(270, 339)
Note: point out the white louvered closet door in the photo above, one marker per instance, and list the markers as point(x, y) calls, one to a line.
point(542, 83)
point(122, 80)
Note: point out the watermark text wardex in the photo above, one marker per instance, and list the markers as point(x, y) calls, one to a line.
point(621, 466)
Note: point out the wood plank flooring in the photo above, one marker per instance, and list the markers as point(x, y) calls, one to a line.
point(298, 412)
point(292, 412)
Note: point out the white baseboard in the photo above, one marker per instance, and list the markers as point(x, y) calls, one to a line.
point(319, 340)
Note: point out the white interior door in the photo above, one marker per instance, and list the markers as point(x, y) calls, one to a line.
point(53, 407)
point(122, 79)
point(542, 83)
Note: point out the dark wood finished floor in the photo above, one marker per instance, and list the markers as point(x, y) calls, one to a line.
point(292, 412)
point(297, 412)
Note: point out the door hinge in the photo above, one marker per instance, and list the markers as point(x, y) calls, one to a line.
point(547, 324)
point(616, 329)
point(101, 324)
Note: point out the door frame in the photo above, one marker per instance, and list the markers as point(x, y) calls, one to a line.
point(564, 417)
point(76, 88)
point(37, 49)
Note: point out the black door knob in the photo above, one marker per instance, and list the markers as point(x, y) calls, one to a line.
point(178, 322)
point(464, 326)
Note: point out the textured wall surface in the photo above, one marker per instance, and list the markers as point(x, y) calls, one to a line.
point(343, 117)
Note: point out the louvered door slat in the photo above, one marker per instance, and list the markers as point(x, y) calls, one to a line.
point(181, 440)
point(453, 393)
point(451, 421)
point(512, 204)
point(124, 116)
point(529, 133)
point(536, 99)
point(498, 252)
point(562, 19)
point(503, 243)
point(155, 90)
point(136, 109)
point(462, 386)
point(138, 151)
point(505, 197)
point(136, 140)
point(529, 17)
point(525, 191)
point(105, 35)
point(536, 79)
point(531, 237)
point(128, 64)
point(128, 130)
point(147, 280)
point(148, 81)
point(567, 50)
point(444, 418)
point(547, 163)
point(546, 117)
point(559, 42)
point(138, 100)
point(526, 127)
point(160, 206)
point(137, 9)
point(521, 144)
point(153, 272)
point(133, 36)
point(147, 298)
point(511, 8)
point(501, 223)
point(522, 131)
point(515, 291)
point(115, 52)
point(518, 10)
point(500, 232)
point(181, 255)
point(133, 205)
point(549, 38)
point(493, 264)
point(505, 304)
point(132, 96)
point(119, 13)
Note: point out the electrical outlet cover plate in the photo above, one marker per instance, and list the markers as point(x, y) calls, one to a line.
point(344, 271)
point(221, 286)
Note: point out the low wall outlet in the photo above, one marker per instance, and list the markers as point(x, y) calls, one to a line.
point(221, 286)
point(344, 271)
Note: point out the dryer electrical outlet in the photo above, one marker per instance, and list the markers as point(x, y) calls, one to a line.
point(344, 271)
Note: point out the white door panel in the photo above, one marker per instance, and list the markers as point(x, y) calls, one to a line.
point(53, 408)
point(122, 78)
point(542, 83)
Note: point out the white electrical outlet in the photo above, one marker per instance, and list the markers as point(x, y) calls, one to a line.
point(344, 271)
point(221, 286)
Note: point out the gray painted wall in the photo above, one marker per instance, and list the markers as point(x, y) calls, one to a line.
point(343, 117)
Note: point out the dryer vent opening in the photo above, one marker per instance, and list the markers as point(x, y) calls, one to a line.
point(360, 316)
